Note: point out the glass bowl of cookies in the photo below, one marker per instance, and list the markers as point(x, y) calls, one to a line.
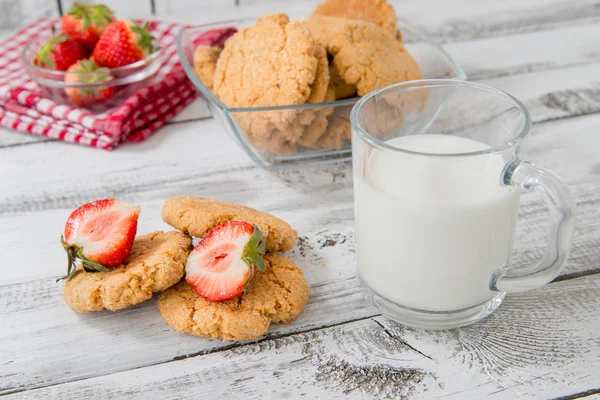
point(283, 86)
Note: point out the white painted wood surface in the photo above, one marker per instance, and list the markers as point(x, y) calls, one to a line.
point(543, 344)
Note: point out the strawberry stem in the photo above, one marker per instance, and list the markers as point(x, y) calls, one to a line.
point(253, 254)
point(145, 39)
point(97, 14)
point(73, 253)
point(43, 55)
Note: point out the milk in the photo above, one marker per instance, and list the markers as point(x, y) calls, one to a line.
point(431, 230)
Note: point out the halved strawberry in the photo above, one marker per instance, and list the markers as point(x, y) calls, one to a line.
point(100, 234)
point(59, 53)
point(86, 23)
point(123, 42)
point(224, 261)
point(87, 71)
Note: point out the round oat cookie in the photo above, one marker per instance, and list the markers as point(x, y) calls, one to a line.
point(156, 262)
point(272, 63)
point(275, 296)
point(198, 215)
point(364, 54)
point(205, 61)
point(378, 12)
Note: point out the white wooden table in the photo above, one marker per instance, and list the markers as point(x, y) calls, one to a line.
point(542, 344)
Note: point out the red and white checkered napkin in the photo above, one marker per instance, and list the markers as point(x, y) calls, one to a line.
point(24, 109)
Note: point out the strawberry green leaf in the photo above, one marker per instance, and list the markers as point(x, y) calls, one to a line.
point(260, 264)
point(97, 14)
point(73, 253)
point(71, 266)
point(145, 40)
point(254, 250)
point(43, 55)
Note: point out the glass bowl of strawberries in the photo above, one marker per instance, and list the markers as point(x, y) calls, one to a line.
point(91, 59)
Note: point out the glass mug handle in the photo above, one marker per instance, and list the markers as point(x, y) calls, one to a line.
point(562, 208)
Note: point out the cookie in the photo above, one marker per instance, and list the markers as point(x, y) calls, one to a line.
point(325, 30)
point(272, 63)
point(317, 128)
point(281, 138)
point(342, 89)
point(378, 12)
point(276, 143)
point(155, 263)
point(198, 215)
point(205, 61)
point(336, 135)
point(340, 120)
point(275, 296)
point(382, 119)
point(339, 128)
point(365, 55)
point(318, 90)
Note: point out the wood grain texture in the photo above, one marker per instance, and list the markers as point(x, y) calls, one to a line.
point(491, 47)
point(204, 161)
point(527, 349)
point(318, 204)
point(541, 344)
point(567, 92)
point(501, 56)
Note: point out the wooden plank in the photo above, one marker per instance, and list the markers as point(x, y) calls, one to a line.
point(510, 55)
point(485, 59)
point(494, 56)
point(201, 160)
point(455, 21)
point(567, 92)
point(322, 193)
point(12, 139)
point(318, 204)
point(527, 349)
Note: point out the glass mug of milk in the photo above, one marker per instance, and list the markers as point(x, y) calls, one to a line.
point(438, 170)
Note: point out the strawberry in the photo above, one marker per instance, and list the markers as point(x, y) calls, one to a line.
point(224, 261)
point(59, 53)
point(123, 42)
point(87, 71)
point(100, 234)
point(86, 23)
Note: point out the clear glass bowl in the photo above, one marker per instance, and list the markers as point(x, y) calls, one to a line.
point(271, 150)
point(126, 80)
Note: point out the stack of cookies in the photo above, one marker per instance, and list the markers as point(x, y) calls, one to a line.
point(277, 295)
point(158, 261)
point(346, 48)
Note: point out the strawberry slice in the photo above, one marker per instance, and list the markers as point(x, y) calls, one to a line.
point(224, 261)
point(100, 234)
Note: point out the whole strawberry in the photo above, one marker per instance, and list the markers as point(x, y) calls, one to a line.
point(59, 53)
point(225, 260)
point(86, 23)
point(100, 234)
point(87, 71)
point(123, 42)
